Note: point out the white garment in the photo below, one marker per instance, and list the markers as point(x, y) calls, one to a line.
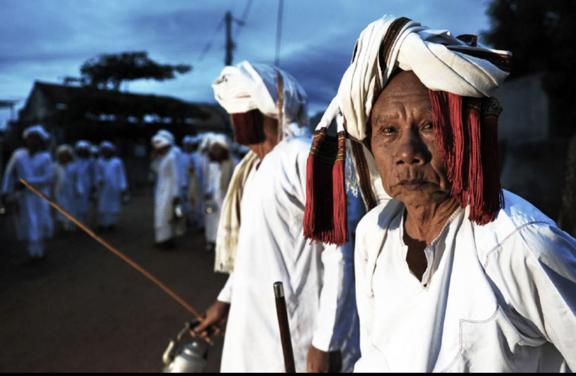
point(271, 247)
point(217, 180)
point(166, 168)
point(198, 199)
point(64, 192)
point(111, 181)
point(85, 181)
point(495, 298)
point(34, 220)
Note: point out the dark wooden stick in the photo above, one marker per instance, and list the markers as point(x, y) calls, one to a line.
point(285, 337)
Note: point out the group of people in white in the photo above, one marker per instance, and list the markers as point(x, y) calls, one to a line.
point(396, 245)
point(82, 179)
point(190, 184)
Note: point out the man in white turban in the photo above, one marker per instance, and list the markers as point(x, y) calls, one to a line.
point(260, 239)
point(85, 185)
point(166, 166)
point(65, 179)
point(452, 272)
point(112, 187)
point(217, 179)
point(34, 164)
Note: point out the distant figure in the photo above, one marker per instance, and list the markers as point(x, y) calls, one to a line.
point(193, 194)
point(165, 165)
point(220, 169)
point(65, 181)
point(85, 186)
point(34, 164)
point(112, 186)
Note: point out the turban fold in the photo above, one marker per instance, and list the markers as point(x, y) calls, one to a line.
point(246, 87)
point(37, 130)
point(442, 62)
point(82, 144)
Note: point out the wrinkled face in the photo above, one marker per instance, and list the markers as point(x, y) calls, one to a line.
point(403, 143)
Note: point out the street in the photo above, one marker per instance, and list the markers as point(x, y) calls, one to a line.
point(83, 309)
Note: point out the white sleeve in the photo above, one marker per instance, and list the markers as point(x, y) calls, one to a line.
point(46, 175)
point(8, 179)
point(337, 280)
point(225, 294)
point(536, 271)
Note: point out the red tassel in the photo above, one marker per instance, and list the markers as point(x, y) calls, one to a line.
point(325, 214)
point(248, 127)
point(468, 143)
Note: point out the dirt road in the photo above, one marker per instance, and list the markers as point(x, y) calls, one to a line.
point(85, 310)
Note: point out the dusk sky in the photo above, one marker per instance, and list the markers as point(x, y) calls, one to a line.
point(47, 40)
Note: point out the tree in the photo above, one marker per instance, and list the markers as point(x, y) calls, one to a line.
point(541, 35)
point(108, 71)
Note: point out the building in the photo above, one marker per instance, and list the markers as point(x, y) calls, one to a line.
point(129, 120)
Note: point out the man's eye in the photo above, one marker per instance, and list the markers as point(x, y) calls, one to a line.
point(427, 127)
point(388, 131)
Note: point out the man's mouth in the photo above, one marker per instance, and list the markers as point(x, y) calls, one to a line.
point(413, 184)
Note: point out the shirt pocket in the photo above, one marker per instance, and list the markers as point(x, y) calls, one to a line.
point(495, 345)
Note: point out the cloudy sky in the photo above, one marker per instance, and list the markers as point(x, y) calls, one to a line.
point(47, 40)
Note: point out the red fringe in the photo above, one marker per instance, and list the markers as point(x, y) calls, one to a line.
point(325, 217)
point(468, 144)
point(248, 127)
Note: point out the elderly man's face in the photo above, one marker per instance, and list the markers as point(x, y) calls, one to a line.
point(403, 143)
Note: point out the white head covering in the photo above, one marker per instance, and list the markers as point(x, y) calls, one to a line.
point(245, 87)
point(188, 140)
point(83, 144)
point(38, 130)
point(107, 145)
point(94, 149)
point(64, 148)
point(219, 139)
point(162, 139)
point(441, 62)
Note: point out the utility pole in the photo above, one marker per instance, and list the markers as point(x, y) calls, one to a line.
point(229, 42)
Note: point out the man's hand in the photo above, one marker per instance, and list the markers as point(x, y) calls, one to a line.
point(214, 317)
point(319, 361)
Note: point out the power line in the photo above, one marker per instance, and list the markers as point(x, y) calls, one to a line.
point(209, 44)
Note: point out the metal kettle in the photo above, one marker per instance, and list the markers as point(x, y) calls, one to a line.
point(189, 356)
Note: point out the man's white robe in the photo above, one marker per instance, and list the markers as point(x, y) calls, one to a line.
point(217, 180)
point(64, 193)
point(34, 220)
point(111, 180)
point(271, 247)
point(495, 298)
point(85, 171)
point(167, 188)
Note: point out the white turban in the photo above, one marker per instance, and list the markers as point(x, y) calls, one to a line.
point(38, 130)
point(219, 139)
point(439, 60)
point(82, 144)
point(107, 145)
point(162, 139)
point(245, 87)
point(65, 148)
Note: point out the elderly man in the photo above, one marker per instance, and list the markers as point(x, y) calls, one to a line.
point(166, 166)
point(65, 178)
point(260, 238)
point(452, 273)
point(34, 164)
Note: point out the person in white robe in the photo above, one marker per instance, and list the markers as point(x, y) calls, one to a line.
point(34, 164)
point(220, 168)
point(166, 167)
point(260, 238)
point(85, 183)
point(194, 194)
point(65, 178)
point(453, 274)
point(112, 186)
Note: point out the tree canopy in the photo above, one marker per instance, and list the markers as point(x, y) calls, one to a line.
point(108, 71)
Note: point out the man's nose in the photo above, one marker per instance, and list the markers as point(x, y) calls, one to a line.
point(412, 150)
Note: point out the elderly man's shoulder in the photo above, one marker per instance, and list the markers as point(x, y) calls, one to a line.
point(522, 229)
point(380, 217)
